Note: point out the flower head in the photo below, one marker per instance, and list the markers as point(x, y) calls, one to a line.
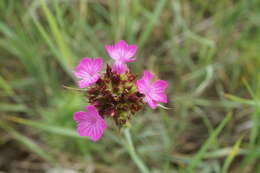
point(154, 91)
point(115, 93)
point(88, 71)
point(122, 53)
point(90, 123)
point(115, 96)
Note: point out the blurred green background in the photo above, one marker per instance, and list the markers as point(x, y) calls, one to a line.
point(208, 51)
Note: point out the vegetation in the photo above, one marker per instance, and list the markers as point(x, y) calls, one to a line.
point(208, 51)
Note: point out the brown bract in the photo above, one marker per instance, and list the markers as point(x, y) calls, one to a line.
point(116, 96)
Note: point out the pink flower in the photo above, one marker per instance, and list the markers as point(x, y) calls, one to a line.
point(90, 123)
point(154, 91)
point(122, 53)
point(88, 71)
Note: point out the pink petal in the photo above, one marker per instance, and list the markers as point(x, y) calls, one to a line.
point(90, 123)
point(121, 51)
point(158, 91)
point(141, 85)
point(92, 110)
point(154, 92)
point(148, 76)
point(97, 65)
point(126, 51)
point(130, 53)
point(119, 67)
point(88, 81)
point(159, 97)
point(160, 84)
point(90, 66)
point(151, 102)
point(144, 84)
point(121, 44)
point(81, 74)
point(88, 71)
point(84, 65)
point(111, 52)
point(79, 116)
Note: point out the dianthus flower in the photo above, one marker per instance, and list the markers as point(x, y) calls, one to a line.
point(90, 123)
point(122, 53)
point(88, 71)
point(154, 91)
point(115, 93)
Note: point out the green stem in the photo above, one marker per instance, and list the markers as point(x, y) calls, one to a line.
point(131, 149)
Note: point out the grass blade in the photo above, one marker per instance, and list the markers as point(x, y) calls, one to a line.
point(30, 144)
point(7, 107)
point(130, 147)
point(234, 151)
point(152, 21)
point(198, 157)
point(45, 127)
point(66, 59)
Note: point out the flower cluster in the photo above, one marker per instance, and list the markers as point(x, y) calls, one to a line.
point(116, 93)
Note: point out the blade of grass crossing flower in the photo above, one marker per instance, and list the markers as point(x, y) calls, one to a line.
point(83, 147)
point(198, 157)
point(232, 154)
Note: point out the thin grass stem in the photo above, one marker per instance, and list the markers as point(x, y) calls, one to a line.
point(131, 150)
